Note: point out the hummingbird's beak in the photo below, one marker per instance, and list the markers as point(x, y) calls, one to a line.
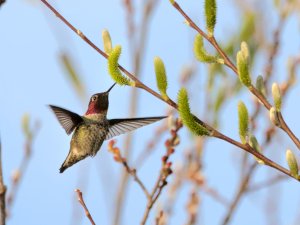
point(111, 88)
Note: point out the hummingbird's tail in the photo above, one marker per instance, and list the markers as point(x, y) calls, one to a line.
point(66, 164)
point(62, 169)
point(72, 158)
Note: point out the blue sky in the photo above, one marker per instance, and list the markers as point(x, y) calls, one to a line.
point(31, 76)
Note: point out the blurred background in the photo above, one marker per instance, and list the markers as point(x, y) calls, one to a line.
point(43, 62)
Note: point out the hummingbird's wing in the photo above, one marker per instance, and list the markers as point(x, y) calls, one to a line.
point(66, 118)
point(121, 126)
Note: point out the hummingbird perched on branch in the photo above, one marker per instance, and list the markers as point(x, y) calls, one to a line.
point(91, 129)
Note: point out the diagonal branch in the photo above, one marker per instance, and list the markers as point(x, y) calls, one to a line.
point(119, 158)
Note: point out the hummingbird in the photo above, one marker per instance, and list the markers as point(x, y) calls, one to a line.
point(93, 128)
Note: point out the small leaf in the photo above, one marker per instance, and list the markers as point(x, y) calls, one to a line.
point(254, 144)
point(242, 59)
point(276, 96)
point(187, 118)
point(201, 53)
point(243, 122)
point(292, 162)
point(107, 43)
point(210, 15)
point(26, 125)
point(161, 77)
point(260, 86)
point(273, 114)
point(113, 68)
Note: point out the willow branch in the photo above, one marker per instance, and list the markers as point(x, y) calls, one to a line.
point(230, 64)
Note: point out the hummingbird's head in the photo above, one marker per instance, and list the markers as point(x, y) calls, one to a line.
point(99, 102)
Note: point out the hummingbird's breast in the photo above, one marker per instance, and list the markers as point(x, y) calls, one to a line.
point(89, 136)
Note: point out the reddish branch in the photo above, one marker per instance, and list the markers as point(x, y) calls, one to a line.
point(165, 171)
point(119, 158)
point(81, 201)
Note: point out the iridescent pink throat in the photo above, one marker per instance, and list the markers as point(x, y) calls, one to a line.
point(93, 109)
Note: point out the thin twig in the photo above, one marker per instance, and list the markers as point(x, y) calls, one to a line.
point(165, 171)
point(274, 49)
point(119, 158)
point(132, 172)
point(160, 217)
point(264, 184)
point(213, 131)
point(18, 175)
point(2, 192)
point(81, 201)
point(159, 185)
point(236, 200)
point(192, 208)
point(215, 195)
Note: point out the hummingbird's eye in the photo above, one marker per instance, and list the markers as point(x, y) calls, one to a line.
point(94, 98)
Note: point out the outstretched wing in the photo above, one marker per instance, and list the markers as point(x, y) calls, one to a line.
point(121, 126)
point(66, 118)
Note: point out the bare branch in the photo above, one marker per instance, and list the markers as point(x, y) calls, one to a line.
point(164, 172)
point(266, 184)
point(119, 158)
point(18, 174)
point(81, 201)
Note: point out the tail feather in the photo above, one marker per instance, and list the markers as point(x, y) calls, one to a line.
point(62, 169)
point(71, 159)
